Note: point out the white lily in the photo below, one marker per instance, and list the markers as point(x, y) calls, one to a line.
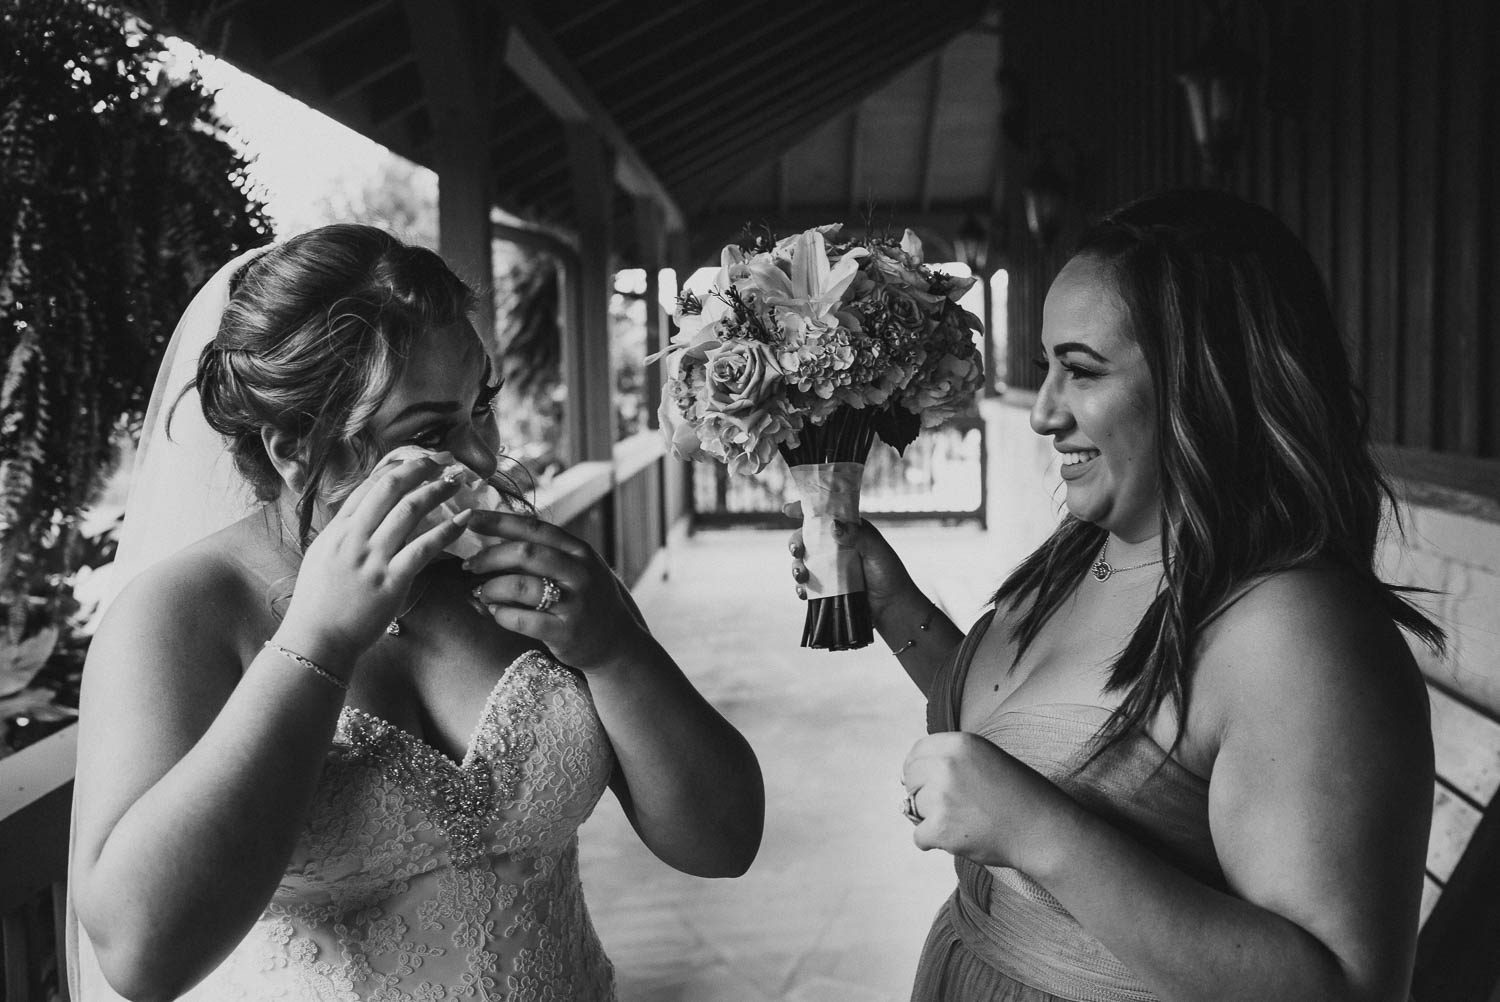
point(815, 288)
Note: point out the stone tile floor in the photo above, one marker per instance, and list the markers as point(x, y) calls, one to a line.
point(837, 904)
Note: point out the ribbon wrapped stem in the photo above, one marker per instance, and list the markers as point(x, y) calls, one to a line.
point(838, 610)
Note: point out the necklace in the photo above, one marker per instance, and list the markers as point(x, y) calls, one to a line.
point(1103, 570)
point(393, 628)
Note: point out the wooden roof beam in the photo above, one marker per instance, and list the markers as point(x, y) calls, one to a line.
point(929, 126)
point(855, 164)
point(534, 57)
point(380, 71)
point(336, 26)
point(791, 120)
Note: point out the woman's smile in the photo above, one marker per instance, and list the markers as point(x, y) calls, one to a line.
point(1077, 462)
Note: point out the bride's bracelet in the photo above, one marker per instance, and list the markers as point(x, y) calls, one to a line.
point(311, 665)
point(926, 625)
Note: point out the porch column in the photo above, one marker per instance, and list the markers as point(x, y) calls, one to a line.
point(587, 372)
point(651, 240)
point(677, 482)
point(445, 37)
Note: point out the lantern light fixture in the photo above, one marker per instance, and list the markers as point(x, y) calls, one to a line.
point(971, 244)
point(1216, 82)
point(1046, 198)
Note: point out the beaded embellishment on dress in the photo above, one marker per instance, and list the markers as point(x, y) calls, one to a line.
point(423, 879)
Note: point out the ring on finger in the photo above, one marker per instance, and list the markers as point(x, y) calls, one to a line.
point(551, 593)
point(909, 809)
point(477, 594)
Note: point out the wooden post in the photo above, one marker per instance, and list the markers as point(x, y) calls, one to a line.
point(446, 37)
point(991, 367)
point(677, 481)
point(651, 240)
point(586, 362)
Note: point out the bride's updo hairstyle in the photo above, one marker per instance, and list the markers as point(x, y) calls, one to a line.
point(315, 335)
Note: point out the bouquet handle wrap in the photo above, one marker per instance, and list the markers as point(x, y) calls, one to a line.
point(838, 611)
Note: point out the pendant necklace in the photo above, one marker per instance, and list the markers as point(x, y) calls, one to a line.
point(1103, 570)
point(393, 628)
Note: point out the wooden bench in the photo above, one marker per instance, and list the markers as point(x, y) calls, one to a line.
point(1458, 952)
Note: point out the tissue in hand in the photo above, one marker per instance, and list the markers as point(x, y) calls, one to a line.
point(473, 492)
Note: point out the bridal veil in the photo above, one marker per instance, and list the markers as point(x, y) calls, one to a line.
point(184, 487)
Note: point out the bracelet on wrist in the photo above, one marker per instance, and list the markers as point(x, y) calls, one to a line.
point(926, 625)
point(309, 664)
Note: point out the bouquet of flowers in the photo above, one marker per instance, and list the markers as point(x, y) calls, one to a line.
point(813, 347)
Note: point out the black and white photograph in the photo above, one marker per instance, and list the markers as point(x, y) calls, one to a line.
point(749, 501)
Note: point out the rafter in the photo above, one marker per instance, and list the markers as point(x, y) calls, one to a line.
point(534, 57)
point(770, 59)
point(790, 121)
point(778, 167)
point(854, 163)
point(733, 42)
point(336, 26)
point(639, 28)
point(930, 129)
point(584, 15)
point(374, 75)
point(385, 119)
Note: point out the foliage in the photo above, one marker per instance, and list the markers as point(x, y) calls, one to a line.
point(120, 197)
point(527, 299)
point(398, 196)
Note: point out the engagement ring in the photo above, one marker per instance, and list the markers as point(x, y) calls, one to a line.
point(550, 594)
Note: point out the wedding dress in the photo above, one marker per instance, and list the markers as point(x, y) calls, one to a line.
point(416, 878)
point(421, 878)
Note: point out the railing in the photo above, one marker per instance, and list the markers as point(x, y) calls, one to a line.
point(36, 792)
point(623, 508)
point(942, 476)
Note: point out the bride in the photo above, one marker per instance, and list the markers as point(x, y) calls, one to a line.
point(321, 756)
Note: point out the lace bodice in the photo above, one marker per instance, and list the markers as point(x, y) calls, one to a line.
point(420, 879)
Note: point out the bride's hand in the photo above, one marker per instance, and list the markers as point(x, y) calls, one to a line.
point(587, 623)
point(887, 582)
point(356, 574)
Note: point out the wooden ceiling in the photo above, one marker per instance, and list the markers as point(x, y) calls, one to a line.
point(774, 111)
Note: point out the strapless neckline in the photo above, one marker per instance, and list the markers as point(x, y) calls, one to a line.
point(1101, 713)
point(959, 676)
point(530, 659)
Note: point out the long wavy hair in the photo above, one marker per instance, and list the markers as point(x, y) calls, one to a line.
point(315, 335)
point(1264, 456)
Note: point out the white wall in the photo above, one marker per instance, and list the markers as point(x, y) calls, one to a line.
point(1456, 554)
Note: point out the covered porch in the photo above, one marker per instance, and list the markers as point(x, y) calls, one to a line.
point(619, 134)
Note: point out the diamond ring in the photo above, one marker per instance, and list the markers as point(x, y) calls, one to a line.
point(551, 593)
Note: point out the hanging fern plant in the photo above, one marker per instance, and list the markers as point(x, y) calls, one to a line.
point(119, 196)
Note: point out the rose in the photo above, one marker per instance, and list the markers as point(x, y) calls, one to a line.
point(903, 308)
point(940, 392)
point(747, 441)
point(893, 267)
point(740, 376)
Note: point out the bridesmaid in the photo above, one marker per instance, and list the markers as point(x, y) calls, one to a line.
point(1186, 756)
